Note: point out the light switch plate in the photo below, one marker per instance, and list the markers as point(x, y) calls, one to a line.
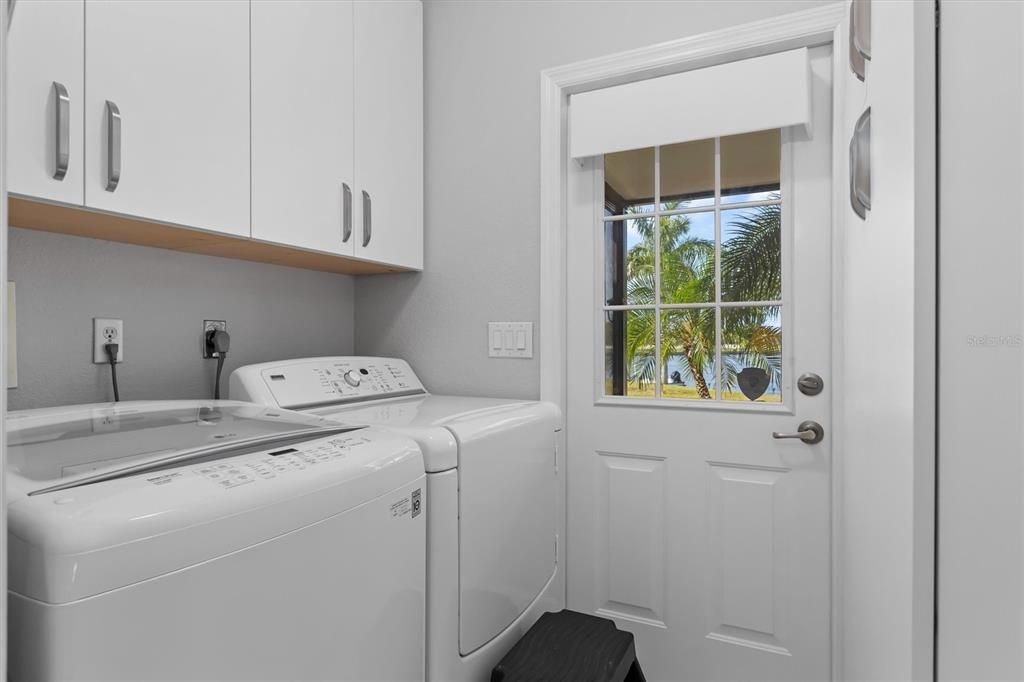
point(510, 339)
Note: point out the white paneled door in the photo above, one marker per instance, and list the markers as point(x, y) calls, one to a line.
point(699, 292)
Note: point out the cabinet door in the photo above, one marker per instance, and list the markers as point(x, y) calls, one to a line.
point(302, 157)
point(389, 131)
point(46, 47)
point(178, 72)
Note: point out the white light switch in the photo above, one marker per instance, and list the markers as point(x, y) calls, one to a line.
point(510, 339)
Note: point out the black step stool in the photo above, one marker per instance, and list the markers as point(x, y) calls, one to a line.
point(571, 646)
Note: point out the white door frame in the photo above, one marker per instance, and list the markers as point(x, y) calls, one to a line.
point(819, 26)
point(4, 6)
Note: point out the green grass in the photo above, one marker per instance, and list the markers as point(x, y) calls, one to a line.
point(676, 391)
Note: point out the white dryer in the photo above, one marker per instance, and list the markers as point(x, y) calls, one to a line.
point(216, 540)
point(495, 495)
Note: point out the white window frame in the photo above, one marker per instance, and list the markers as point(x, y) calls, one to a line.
point(786, 185)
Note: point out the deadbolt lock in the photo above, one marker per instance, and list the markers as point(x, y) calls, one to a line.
point(810, 384)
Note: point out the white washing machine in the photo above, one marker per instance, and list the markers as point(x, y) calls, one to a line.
point(212, 541)
point(495, 494)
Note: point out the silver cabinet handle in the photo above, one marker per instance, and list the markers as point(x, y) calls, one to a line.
point(113, 146)
point(860, 165)
point(346, 213)
point(367, 218)
point(808, 431)
point(857, 64)
point(62, 130)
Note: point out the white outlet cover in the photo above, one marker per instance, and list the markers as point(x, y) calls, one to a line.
point(99, 325)
point(510, 339)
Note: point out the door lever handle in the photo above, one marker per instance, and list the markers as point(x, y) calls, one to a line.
point(808, 431)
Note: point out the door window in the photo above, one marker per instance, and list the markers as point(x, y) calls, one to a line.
point(693, 268)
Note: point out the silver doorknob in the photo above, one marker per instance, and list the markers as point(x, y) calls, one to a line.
point(808, 431)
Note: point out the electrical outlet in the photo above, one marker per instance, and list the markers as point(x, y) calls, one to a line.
point(208, 326)
point(106, 330)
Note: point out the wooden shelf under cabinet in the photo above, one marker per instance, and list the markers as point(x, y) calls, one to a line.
point(36, 215)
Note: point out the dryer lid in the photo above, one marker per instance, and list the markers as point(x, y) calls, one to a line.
point(51, 446)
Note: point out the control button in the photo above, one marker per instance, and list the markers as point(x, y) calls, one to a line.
point(64, 500)
point(352, 378)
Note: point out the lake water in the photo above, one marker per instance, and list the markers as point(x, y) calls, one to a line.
point(677, 364)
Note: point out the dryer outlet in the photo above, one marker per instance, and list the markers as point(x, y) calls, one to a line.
point(209, 326)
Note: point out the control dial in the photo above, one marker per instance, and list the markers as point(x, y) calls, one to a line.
point(352, 378)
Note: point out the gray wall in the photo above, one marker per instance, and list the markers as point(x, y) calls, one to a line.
point(162, 296)
point(482, 83)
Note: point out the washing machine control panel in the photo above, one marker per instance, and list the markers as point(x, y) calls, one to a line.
point(301, 384)
point(239, 471)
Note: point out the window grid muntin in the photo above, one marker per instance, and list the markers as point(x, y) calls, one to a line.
point(718, 304)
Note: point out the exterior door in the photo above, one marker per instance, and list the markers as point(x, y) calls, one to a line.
point(699, 290)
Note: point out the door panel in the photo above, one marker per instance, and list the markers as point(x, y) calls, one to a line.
point(742, 536)
point(631, 499)
point(690, 525)
point(389, 130)
point(46, 45)
point(179, 74)
point(302, 136)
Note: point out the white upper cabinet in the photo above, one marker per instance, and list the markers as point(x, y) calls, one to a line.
point(389, 132)
point(46, 96)
point(293, 122)
point(178, 75)
point(303, 178)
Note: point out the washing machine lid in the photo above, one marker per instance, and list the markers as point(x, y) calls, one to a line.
point(65, 446)
point(160, 509)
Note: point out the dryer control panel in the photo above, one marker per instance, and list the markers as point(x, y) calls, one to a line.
point(316, 382)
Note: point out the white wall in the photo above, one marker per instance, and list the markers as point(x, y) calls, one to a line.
point(163, 296)
point(981, 634)
point(482, 132)
point(885, 452)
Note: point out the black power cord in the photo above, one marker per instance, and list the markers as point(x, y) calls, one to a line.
point(220, 367)
point(111, 349)
point(217, 344)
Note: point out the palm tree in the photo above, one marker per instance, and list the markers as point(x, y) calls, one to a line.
point(751, 271)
